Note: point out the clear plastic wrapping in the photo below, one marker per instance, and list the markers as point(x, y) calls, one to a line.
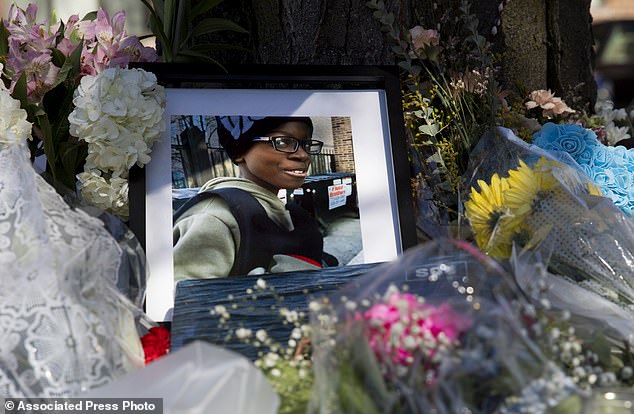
point(524, 198)
point(444, 329)
point(64, 325)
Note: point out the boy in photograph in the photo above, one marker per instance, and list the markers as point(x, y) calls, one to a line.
point(239, 226)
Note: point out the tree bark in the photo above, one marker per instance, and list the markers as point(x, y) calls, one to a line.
point(544, 44)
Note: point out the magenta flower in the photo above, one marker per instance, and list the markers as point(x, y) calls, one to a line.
point(404, 328)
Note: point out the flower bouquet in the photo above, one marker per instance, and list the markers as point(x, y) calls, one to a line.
point(91, 116)
point(445, 330)
point(528, 200)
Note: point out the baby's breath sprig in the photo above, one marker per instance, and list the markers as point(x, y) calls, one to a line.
point(287, 364)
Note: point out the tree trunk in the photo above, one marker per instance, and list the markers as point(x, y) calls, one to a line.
point(544, 44)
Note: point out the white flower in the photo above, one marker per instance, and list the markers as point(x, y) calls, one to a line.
point(296, 333)
point(261, 335)
point(14, 127)
point(605, 109)
point(119, 113)
point(243, 333)
point(614, 134)
point(109, 195)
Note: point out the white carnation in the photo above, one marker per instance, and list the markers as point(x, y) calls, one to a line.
point(109, 195)
point(119, 112)
point(14, 127)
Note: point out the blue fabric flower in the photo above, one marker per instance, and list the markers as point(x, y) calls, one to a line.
point(238, 125)
point(611, 168)
point(570, 138)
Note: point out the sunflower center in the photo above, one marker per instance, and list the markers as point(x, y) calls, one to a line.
point(541, 197)
point(494, 218)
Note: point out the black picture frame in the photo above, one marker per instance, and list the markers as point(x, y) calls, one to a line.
point(380, 81)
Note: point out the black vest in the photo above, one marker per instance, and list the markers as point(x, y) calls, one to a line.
point(260, 237)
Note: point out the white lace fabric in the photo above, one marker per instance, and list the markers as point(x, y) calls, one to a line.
point(64, 327)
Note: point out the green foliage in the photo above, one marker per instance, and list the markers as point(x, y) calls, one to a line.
point(294, 390)
point(176, 24)
point(450, 98)
point(362, 388)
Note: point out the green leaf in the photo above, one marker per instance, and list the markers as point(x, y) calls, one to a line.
point(431, 130)
point(52, 101)
point(4, 41)
point(159, 7)
point(71, 66)
point(90, 16)
point(157, 26)
point(405, 65)
point(436, 158)
point(572, 404)
point(72, 158)
point(60, 33)
point(214, 24)
point(57, 57)
point(398, 50)
point(202, 57)
point(446, 186)
point(204, 6)
point(388, 19)
point(212, 47)
point(169, 17)
point(47, 140)
point(20, 91)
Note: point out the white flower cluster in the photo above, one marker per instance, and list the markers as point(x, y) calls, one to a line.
point(109, 195)
point(119, 113)
point(611, 117)
point(14, 127)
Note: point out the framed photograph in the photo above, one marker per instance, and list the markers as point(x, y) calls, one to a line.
point(357, 188)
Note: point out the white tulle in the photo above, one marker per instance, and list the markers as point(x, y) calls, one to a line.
point(64, 328)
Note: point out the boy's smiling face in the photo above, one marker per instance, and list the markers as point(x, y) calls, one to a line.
point(275, 170)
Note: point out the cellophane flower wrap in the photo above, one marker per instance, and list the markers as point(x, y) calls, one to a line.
point(524, 198)
point(65, 327)
point(443, 329)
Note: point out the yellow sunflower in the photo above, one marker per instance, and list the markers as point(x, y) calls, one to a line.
point(593, 190)
point(528, 185)
point(487, 212)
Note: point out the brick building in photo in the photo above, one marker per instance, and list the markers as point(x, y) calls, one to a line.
point(342, 139)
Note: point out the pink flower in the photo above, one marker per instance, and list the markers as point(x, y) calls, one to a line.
point(107, 45)
point(422, 38)
point(30, 50)
point(404, 328)
point(550, 104)
point(30, 47)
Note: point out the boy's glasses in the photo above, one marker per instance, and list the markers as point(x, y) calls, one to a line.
point(291, 145)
